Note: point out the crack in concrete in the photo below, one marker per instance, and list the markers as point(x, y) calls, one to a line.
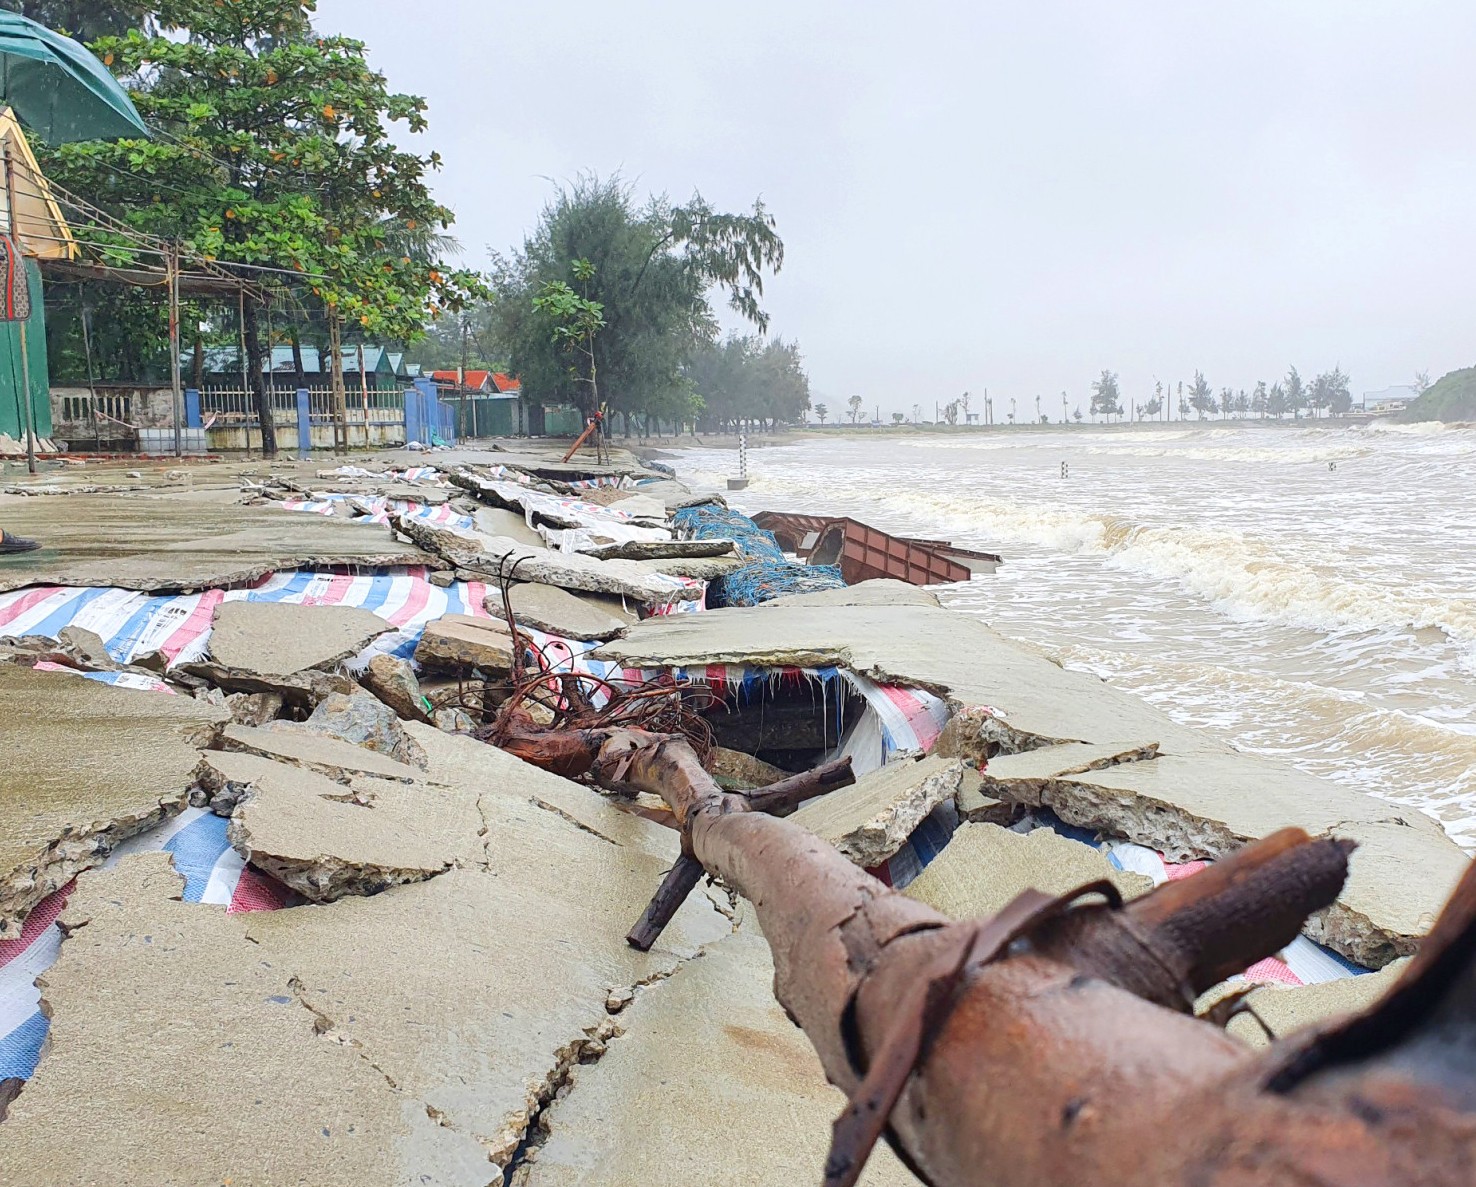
point(579, 824)
point(562, 1079)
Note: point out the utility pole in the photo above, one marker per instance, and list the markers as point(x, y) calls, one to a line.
point(171, 264)
point(1065, 418)
point(461, 379)
point(364, 390)
point(335, 350)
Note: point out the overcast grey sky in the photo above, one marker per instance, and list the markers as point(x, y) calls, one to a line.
point(1002, 196)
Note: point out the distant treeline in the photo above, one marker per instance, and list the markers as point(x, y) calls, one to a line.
point(1325, 394)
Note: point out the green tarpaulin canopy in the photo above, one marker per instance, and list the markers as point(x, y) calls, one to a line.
point(58, 89)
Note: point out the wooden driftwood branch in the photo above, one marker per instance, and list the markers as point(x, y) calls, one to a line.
point(1055, 1045)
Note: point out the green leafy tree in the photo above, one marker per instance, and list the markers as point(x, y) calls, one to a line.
point(1295, 391)
point(274, 159)
point(1106, 396)
point(898, 418)
point(1276, 401)
point(821, 412)
point(1201, 396)
point(85, 19)
point(657, 268)
point(575, 322)
point(1421, 382)
point(1258, 399)
point(853, 408)
point(1332, 390)
point(1153, 407)
point(1076, 416)
point(743, 380)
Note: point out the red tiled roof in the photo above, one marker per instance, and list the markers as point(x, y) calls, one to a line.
point(475, 380)
point(506, 383)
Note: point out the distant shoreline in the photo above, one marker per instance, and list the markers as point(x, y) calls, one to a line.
point(653, 447)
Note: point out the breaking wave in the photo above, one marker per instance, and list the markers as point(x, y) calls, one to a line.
point(1236, 574)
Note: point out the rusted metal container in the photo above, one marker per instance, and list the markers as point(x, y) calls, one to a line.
point(865, 553)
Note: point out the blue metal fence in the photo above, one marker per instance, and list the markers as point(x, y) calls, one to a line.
point(427, 419)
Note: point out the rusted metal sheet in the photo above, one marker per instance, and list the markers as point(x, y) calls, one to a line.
point(865, 553)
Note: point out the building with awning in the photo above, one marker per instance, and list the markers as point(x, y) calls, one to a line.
point(28, 210)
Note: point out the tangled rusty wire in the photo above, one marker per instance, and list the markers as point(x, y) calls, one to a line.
point(547, 693)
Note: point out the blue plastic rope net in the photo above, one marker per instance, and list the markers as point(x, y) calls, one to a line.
point(768, 575)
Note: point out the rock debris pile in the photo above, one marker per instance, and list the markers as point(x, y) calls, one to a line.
point(272, 908)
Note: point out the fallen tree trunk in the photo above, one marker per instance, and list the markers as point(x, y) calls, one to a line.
point(1059, 1048)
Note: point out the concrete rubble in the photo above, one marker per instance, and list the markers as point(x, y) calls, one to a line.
point(461, 642)
point(1284, 1009)
point(1187, 794)
point(365, 721)
point(487, 557)
point(277, 639)
point(574, 616)
point(872, 819)
point(316, 752)
point(393, 681)
point(324, 839)
point(64, 806)
point(448, 997)
point(166, 544)
point(984, 866)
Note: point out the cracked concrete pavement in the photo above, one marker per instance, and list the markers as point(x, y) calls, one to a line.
point(456, 997)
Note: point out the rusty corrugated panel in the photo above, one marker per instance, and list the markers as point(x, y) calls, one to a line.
point(863, 552)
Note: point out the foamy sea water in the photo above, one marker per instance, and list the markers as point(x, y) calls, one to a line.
point(1304, 592)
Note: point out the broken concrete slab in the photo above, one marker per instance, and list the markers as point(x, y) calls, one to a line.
point(278, 638)
point(1033, 702)
point(1287, 1008)
point(1206, 805)
point(463, 762)
point(573, 616)
point(88, 647)
point(1032, 769)
point(880, 591)
point(304, 689)
point(697, 568)
point(984, 866)
point(394, 682)
point(365, 721)
point(479, 1034)
point(603, 817)
point(872, 819)
point(498, 521)
point(1399, 879)
point(641, 506)
point(488, 556)
point(253, 708)
point(182, 542)
point(710, 1046)
point(86, 765)
point(316, 752)
point(325, 840)
point(274, 1096)
point(736, 770)
point(461, 642)
point(660, 550)
point(976, 807)
point(1199, 798)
